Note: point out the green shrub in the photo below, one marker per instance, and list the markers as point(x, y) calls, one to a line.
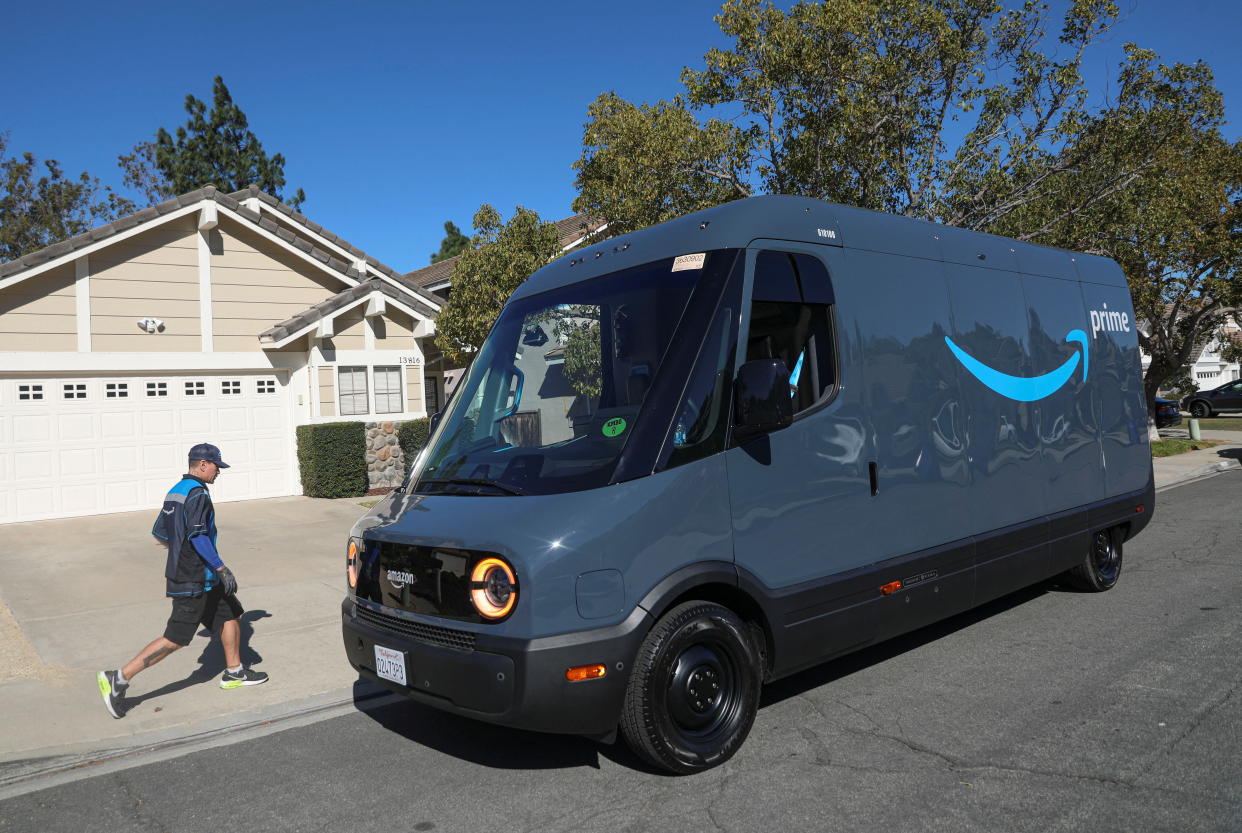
point(332, 459)
point(412, 436)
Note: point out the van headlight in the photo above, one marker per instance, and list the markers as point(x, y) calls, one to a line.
point(353, 558)
point(493, 588)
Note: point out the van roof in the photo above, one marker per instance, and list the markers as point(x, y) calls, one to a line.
point(737, 224)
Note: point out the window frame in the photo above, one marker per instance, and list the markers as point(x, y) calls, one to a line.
point(363, 370)
point(395, 370)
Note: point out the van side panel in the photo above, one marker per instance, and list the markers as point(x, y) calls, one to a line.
point(1116, 376)
point(913, 403)
point(1003, 448)
point(1073, 468)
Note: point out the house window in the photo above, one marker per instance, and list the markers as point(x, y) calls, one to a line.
point(432, 394)
point(351, 384)
point(157, 389)
point(116, 390)
point(230, 387)
point(29, 392)
point(388, 390)
point(75, 391)
point(1205, 374)
point(266, 386)
point(195, 388)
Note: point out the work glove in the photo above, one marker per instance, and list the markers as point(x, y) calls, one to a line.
point(227, 581)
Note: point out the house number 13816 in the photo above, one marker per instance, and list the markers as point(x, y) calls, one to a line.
point(411, 360)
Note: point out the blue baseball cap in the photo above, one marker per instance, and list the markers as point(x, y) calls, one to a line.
point(208, 452)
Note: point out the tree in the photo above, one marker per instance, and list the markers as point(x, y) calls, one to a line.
point(500, 257)
point(211, 148)
point(37, 212)
point(946, 110)
point(453, 244)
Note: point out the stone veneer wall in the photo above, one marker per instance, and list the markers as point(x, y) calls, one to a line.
point(385, 460)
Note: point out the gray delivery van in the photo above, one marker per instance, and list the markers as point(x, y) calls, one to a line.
point(704, 456)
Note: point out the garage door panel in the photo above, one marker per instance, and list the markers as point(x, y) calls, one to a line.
point(124, 493)
point(269, 451)
point(267, 418)
point(163, 458)
point(119, 460)
point(231, 421)
point(158, 424)
point(196, 421)
point(78, 462)
point(33, 465)
point(118, 425)
point(80, 499)
point(30, 428)
point(35, 503)
point(74, 427)
point(271, 482)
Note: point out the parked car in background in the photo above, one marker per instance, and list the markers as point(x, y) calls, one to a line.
point(1167, 413)
point(1205, 403)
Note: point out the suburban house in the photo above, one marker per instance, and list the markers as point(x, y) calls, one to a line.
point(572, 232)
point(211, 317)
point(1207, 367)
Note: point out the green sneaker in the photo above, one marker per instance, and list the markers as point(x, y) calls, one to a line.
point(243, 677)
point(113, 692)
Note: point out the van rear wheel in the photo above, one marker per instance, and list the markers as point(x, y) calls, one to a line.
point(1101, 567)
point(694, 690)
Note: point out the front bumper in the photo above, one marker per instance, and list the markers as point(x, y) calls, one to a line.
point(513, 682)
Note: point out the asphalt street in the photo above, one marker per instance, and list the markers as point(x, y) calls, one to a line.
point(1048, 710)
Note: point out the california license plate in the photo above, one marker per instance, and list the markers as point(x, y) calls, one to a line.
point(390, 664)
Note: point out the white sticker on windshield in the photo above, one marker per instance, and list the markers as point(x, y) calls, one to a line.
point(689, 262)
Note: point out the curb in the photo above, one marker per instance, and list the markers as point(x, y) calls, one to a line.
point(1202, 472)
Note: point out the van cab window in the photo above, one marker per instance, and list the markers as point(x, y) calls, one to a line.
point(561, 384)
point(790, 320)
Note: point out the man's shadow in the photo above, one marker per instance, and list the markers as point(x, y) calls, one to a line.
point(211, 660)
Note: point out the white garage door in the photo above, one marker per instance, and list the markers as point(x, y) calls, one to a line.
point(89, 445)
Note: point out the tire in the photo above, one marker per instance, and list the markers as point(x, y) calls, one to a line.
point(694, 689)
point(1101, 566)
point(1200, 409)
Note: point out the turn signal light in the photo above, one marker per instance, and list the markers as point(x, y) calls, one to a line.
point(890, 588)
point(585, 672)
point(351, 563)
point(493, 588)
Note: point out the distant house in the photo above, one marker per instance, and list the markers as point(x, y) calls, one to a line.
point(223, 318)
point(438, 278)
point(1207, 367)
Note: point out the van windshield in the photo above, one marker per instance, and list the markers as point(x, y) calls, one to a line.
point(557, 389)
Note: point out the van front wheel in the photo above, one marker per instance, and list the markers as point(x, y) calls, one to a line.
point(694, 690)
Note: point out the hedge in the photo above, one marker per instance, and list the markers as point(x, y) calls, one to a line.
point(332, 459)
point(412, 436)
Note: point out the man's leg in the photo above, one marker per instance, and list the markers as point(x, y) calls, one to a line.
point(148, 656)
point(230, 638)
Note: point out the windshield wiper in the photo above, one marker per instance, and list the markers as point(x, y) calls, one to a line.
point(475, 481)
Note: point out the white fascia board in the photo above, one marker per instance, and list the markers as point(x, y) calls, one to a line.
point(296, 334)
point(97, 245)
point(166, 362)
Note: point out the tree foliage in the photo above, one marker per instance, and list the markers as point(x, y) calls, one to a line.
point(956, 111)
point(500, 257)
point(215, 147)
point(39, 210)
point(453, 244)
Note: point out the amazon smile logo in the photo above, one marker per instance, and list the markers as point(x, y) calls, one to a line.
point(1021, 388)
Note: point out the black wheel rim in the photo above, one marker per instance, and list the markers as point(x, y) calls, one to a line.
point(1105, 558)
point(704, 695)
point(1199, 410)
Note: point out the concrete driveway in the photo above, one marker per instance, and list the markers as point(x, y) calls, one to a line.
point(84, 594)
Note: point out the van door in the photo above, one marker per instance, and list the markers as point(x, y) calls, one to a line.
point(796, 494)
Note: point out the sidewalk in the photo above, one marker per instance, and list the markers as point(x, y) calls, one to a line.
point(84, 594)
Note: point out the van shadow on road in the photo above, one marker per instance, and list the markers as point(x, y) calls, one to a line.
point(501, 747)
point(210, 661)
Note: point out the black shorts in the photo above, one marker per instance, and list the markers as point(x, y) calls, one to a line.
point(211, 610)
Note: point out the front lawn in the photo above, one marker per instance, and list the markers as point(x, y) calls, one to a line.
point(1167, 448)
point(1232, 422)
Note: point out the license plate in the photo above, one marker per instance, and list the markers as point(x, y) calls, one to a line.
point(390, 664)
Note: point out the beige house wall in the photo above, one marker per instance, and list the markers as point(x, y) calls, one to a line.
point(256, 284)
point(40, 314)
point(327, 391)
point(155, 275)
point(347, 329)
point(394, 331)
point(414, 389)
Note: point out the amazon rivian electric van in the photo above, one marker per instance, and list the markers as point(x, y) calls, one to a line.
point(704, 456)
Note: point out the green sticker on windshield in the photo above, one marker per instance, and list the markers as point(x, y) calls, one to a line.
point(614, 427)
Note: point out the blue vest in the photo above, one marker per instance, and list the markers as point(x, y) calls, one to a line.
point(187, 512)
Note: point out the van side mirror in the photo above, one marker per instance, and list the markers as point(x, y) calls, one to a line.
point(435, 420)
point(761, 400)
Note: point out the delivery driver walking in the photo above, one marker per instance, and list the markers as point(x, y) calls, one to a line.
point(202, 589)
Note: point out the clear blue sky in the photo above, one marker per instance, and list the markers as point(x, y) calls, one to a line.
point(397, 116)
